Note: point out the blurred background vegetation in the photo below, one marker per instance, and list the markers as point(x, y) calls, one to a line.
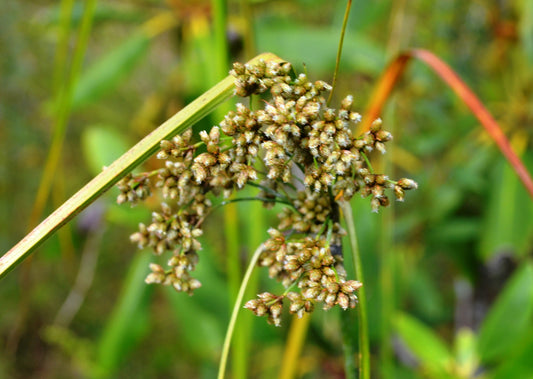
point(448, 272)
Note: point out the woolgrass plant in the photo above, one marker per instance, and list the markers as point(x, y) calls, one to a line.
point(295, 149)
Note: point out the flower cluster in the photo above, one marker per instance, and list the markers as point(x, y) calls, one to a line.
point(298, 151)
point(309, 264)
point(133, 188)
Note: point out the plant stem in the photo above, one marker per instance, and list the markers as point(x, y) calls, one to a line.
point(220, 40)
point(387, 268)
point(233, 270)
point(256, 233)
point(348, 322)
point(235, 312)
point(396, 69)
point(293, 348)
point(192, 113)
point(339, 50)
point(364, 345)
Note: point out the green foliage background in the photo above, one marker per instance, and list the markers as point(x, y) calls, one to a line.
point(448, 272)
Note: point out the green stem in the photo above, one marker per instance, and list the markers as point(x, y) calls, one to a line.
point(236, 308)
point(233, 268)
point(242, 348)
point(368, 164)
point(349, 342)
point(293, 348)
point(118, 169)
point(364, 345)
point(339, 50)
point(387, 274)
point(220, 40)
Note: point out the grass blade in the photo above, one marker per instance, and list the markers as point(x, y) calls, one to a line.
point(364, 342)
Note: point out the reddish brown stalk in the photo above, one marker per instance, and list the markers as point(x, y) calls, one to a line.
point(397, 68)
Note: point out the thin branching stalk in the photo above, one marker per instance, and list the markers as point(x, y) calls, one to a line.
point(339, 50)
point(364, 344)
point(237, 307)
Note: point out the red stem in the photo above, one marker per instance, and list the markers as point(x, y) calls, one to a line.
point(394, 71)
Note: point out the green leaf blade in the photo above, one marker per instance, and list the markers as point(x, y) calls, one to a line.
point(509, 318)
point(433, 354)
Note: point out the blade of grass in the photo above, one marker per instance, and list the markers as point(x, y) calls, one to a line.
point(118, 169)
point(236, 308)
point(233, 267)
point(348, 322)
point(395, 70)
point(231, 221)
point(364, 343)
point(253, 232)
point(387, 263)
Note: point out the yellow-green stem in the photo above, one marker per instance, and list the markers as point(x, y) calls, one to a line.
point(219, 8)
point(293, 348)
point(182, 120)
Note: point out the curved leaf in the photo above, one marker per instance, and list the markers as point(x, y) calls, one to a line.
point(433, 354)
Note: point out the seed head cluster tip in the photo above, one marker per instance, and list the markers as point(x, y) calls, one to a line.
point(298, 151)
